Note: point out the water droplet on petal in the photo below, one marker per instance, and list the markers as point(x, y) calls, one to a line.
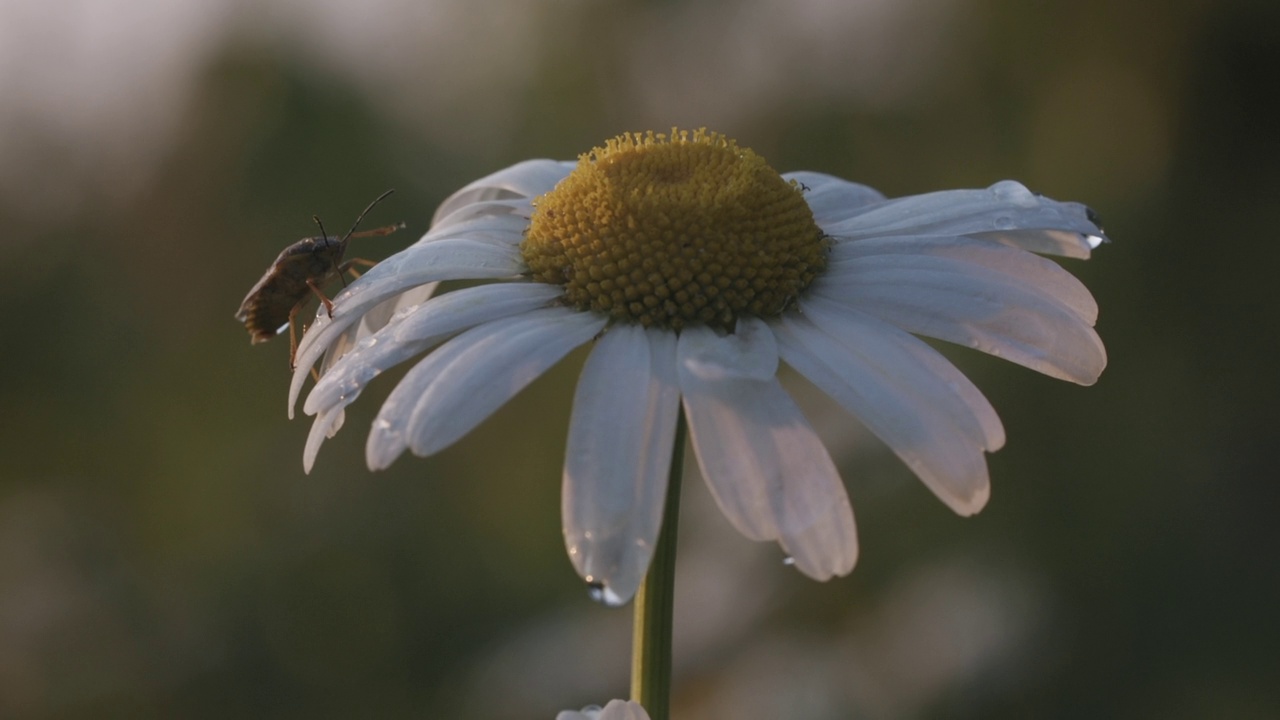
point(402, 313)
point(1015, 193)
point(1007, 189)
point(595, 591)
point(1003, 222)
point(601, 593)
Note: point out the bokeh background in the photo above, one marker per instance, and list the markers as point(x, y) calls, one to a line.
point(162, 554)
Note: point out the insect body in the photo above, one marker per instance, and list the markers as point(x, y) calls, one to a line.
point(300, 271)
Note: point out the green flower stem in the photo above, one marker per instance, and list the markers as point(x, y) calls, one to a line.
point(651, 638)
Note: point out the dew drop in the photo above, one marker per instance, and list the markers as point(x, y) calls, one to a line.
point(601, 593)
point(404, 312)
point(1009, 189)
point(1003, 222)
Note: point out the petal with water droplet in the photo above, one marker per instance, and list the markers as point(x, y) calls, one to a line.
point(619, 455)
point(971, 305)
point(1016, 266)
point(766, 468)
point(454, 259)
point(416, 331)
point(912, 399)
point(1005, 212)
point(465, 380)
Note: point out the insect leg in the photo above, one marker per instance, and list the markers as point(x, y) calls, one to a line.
point(293, 336)
point(328, 305)
point(349, 266)
point(378, 232)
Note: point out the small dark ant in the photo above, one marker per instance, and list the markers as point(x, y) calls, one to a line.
point(300, 271)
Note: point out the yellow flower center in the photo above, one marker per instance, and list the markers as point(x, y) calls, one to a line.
point(669, 231)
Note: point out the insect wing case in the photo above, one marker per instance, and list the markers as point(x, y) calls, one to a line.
point(265, 310)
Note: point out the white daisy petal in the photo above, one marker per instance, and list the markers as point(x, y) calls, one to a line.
point(833, 199)
point(1033, 270)
point(373, 321)
point(909, 363)
point(527, 179)
point(1047, 241)
point(768, 471)
point(862, 379)
point(1006, 210)
point(465, 380)
point(748, 354)
point(326, 425)
point(454, 259)
point(420, 328)
point(971, 305)
point(340, 346)
point(381, 314)
point(515, 207)
point(457, 258)
point(502, 229)
point(619, 456)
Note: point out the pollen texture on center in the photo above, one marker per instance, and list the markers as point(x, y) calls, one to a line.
point(672, 230)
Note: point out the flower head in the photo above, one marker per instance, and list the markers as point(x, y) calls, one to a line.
point(668, 234)
point(615, 710)
point(694, 269)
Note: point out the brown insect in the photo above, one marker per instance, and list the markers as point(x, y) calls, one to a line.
point(301, 270)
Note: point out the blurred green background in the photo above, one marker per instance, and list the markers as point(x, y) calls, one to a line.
point(162, 554)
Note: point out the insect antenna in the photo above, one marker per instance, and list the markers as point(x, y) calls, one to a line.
point(323, 234)
point(360, 217)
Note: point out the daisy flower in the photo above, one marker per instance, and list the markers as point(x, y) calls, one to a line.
point(615, 710)
point(693, 269)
